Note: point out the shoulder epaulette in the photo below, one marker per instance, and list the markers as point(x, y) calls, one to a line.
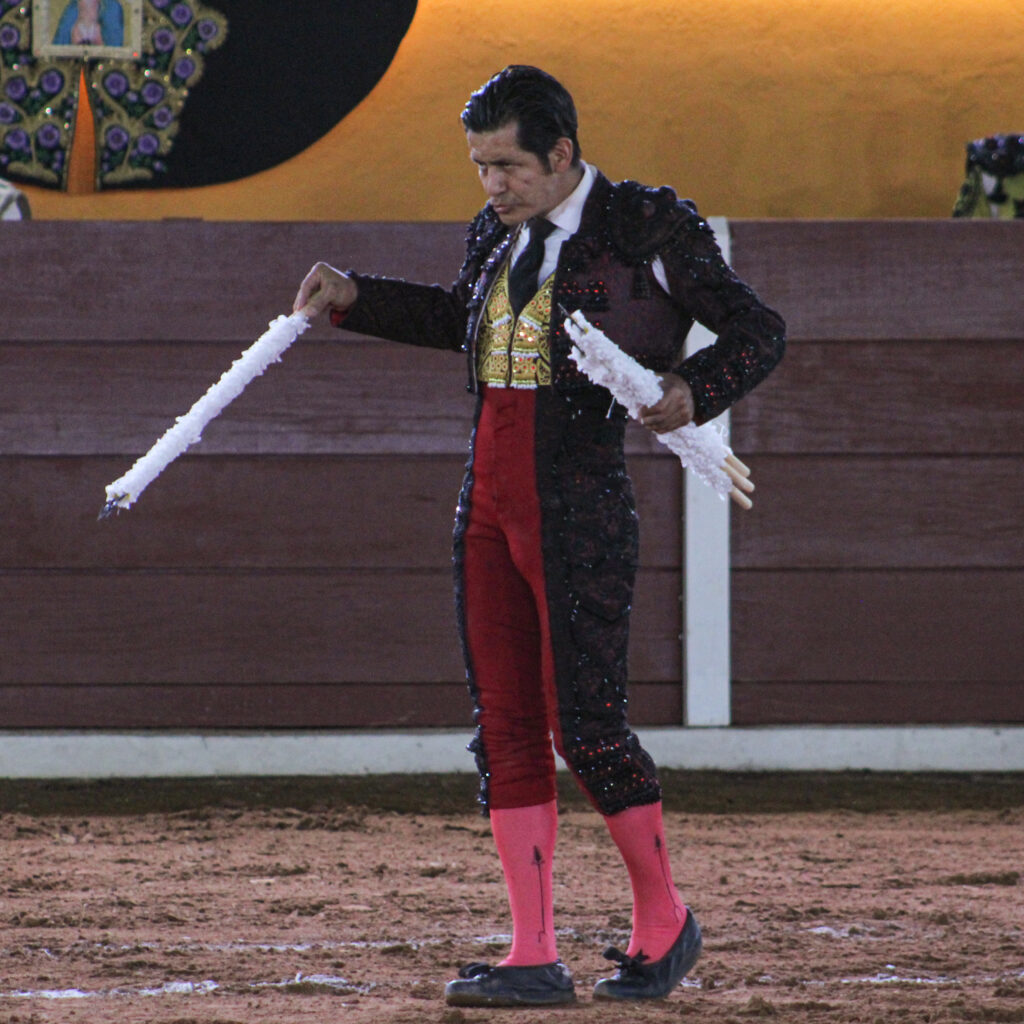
point(643, 220)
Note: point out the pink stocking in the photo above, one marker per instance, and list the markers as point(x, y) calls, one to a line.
point(525, 838)
point(658, 913)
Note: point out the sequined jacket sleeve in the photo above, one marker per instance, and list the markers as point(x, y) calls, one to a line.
point(420, 314)
point(751, 337)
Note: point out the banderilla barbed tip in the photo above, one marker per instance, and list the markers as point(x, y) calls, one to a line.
point(111, 508)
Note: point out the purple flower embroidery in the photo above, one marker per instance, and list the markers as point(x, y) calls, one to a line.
point(162, 117)
point(184, 69)
point(117, 138)
point(116, 84)
point(18, 140)
point(163, 40)
point(152, 92)
point(207, 30)
point(148, 144)
point(181, 14)
point(160, 4)
point(16, 89)
point(9, 37)
point(7, 113)
point(48, 136)
point(52, 81)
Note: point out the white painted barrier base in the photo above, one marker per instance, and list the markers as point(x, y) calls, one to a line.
point(99, 755)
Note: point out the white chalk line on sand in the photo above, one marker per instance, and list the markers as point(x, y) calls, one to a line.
point(332, 984)
point(327, 982)
point(187, 945)
point(888, 975)
point(336, 985)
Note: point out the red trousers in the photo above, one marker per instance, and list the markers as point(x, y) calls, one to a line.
point(507, 627)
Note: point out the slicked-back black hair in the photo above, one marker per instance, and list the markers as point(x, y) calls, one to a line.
point(539, 104)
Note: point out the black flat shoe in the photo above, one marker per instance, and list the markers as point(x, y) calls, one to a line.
point(484, 985)
point(641, 978)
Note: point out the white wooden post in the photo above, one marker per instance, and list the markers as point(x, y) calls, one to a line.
point(706, 613)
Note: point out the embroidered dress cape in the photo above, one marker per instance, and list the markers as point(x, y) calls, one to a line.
point(588, 518)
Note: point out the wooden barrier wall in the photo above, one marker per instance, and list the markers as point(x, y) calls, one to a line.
point(881, 577)
point(293, 570)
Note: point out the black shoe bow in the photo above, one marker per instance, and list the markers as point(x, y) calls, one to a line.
point(639, 977)
point(629, 966)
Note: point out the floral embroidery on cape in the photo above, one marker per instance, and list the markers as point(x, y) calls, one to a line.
point(136, 101)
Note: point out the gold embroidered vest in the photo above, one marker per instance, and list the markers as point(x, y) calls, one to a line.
point(514, 353)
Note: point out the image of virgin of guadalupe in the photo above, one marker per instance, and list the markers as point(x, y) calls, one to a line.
point(91, 23)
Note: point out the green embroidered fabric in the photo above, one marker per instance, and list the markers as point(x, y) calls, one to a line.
point(994, 183)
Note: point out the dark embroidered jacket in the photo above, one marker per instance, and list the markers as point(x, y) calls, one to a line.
point(588, 518)
point(605, 270)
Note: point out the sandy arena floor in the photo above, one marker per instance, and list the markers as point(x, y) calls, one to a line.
point(864, 900)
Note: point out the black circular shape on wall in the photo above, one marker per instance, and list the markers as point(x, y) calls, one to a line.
point(285, 76)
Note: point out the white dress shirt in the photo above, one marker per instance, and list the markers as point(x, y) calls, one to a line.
point(566, 217)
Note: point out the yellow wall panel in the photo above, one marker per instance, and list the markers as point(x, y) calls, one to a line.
point(756, 108)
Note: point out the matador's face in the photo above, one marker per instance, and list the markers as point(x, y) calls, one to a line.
point(517, 183)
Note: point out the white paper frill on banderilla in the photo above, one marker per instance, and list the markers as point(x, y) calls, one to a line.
point(188, 429)
point(702, 450)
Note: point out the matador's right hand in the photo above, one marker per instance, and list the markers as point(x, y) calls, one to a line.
point(325, 287)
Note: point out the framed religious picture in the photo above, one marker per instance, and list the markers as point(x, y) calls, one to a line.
point(86, 28)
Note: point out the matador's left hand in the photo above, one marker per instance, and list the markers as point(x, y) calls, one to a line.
point(673, 410)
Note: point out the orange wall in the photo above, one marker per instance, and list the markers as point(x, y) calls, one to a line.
point(756, 108)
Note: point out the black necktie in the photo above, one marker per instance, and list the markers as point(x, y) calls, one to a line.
point(522, 278)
